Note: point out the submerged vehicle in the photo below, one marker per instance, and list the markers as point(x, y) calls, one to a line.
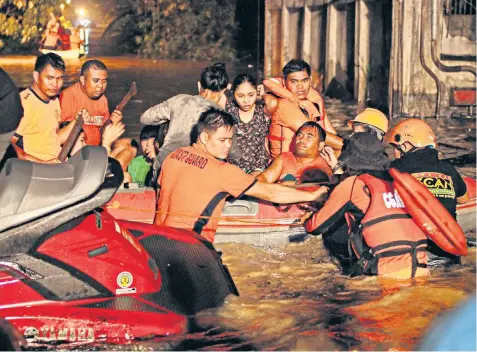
point(71, 272)
point(250, 220)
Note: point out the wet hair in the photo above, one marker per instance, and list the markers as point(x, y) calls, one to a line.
point(243, 78)
point(214, 77)
point(162, 130)
point(149, 131)
point(296, 65)
point(379, 134)
point(99, 65)
point(157, 132)
point(51, 59)
point(212, 119)
point(316, 126)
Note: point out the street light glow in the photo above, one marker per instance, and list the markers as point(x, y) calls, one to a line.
point(62, 6)
point(68, 2)
point(81, 12)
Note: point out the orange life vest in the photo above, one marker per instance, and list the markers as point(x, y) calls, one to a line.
point(387, 240)
point(280, 134)
point(306, 172)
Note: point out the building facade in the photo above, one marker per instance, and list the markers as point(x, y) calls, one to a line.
point(407, 57)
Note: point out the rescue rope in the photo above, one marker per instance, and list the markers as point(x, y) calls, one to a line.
point(116, 205)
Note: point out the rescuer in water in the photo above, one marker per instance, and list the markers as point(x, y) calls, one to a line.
point(415, 145)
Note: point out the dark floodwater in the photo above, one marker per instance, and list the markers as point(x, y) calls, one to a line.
point(292, 297)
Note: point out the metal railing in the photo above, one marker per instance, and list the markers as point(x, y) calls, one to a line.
point(459, 7)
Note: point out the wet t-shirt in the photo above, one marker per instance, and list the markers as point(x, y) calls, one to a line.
point(74, 99)
point(193, 187)
point(39, 126)
point(440, 178)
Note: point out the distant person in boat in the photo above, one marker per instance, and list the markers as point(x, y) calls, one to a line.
point(51, 41)
point(75, 41)
point(295, 107)
point(183, 111)
point(252, 125)
point(415, 146)
point(151, 140)
point(305, 163)
point(364, 222)
point(38, 137)
point(194, 180)
point(88, 93)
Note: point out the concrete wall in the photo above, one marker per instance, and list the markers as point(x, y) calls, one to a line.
point(371, 50)
point(372, 53)
point(414, 89)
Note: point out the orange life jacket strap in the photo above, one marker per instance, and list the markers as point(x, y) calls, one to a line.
point(276, 138)
point(411, 244)
point(385, 218)
point(415, 247)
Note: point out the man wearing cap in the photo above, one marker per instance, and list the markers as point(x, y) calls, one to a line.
point(364, 223)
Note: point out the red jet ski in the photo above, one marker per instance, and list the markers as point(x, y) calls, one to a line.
point(70, 272)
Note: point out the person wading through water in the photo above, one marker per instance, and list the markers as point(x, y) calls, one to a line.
point(415, 146)
point(364, 223)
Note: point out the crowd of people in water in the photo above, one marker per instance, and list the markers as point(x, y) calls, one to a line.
point(258, 139)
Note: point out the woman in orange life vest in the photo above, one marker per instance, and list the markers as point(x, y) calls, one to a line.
point(415, 145)
point(364, 223)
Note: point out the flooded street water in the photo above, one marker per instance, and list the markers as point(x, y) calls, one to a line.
point(293, 297)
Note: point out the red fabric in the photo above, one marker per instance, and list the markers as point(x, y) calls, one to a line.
point(292, 167)
point(73, 99)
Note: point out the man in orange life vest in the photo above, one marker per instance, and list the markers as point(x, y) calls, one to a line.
point(294, 108)
point(364, 223)
point(415, 151)
point(88, 93)
point(304, 164)
point(194, 181)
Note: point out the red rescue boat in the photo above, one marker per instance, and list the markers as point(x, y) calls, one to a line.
point(250, 220)
point(71, 272)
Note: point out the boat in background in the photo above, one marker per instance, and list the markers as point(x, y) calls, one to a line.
point(65, 54)
point(250, 220)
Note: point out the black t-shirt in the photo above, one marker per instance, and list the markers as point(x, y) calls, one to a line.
point(11, 110)
point(441, 178)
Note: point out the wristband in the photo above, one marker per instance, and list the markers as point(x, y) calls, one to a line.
point(336, 167)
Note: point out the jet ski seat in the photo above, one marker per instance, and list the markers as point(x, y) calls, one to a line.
point(30, 190)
